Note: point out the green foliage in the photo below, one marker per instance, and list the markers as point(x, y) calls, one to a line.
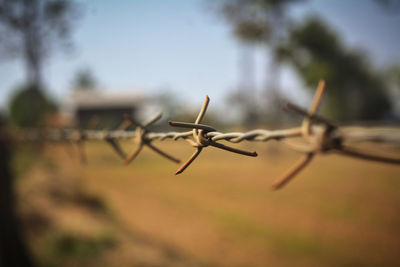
point(74, 245)
point(355, 89)
point(264, 23)
point(393, 75)
point(62, 248)
point(29, 106)
point(255, 21)
point(23, 160)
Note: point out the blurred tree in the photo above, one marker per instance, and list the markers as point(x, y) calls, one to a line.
point(26, 99)
point(84, 80)
point(13, 249)
point(356, 90)
point(245, 97)
point(263, 22)
point(30, 28)
point(249, 113)
point(392, 75)
point(389, 6)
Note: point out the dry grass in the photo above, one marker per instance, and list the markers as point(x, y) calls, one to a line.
point(221, 212)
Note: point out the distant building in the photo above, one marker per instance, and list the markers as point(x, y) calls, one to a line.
point(82, 106)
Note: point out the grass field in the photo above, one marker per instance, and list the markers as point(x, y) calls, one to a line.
point(220, 212)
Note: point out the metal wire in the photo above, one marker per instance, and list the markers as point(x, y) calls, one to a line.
point(319, 135)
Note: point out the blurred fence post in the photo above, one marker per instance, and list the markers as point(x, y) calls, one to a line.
point(13, 249)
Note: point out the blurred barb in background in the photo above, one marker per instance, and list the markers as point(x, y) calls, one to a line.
point(143, 57)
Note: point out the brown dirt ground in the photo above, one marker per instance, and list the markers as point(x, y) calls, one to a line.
point(220, 212)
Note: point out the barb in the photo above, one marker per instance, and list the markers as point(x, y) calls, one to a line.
point(141, 137)
point(115, 145)
point(201, 140)
point(306, 131)
point(319, 135)
point(300, 165)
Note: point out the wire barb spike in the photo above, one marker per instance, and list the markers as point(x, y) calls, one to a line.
point(200, 138)
point(143, 140)
point(317, 133)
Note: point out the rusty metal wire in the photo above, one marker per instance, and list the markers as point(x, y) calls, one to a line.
point(318, 134)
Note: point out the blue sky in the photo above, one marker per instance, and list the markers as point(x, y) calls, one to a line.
point(148, 45)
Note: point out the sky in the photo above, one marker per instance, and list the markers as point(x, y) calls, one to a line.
point(147, 46)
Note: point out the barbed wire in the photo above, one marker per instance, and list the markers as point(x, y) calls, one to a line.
point(318, 135)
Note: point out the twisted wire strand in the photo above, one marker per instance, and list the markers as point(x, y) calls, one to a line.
point(351, 134)
point(319, 135)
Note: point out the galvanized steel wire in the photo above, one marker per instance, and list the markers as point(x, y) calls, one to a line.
point(318, 135)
